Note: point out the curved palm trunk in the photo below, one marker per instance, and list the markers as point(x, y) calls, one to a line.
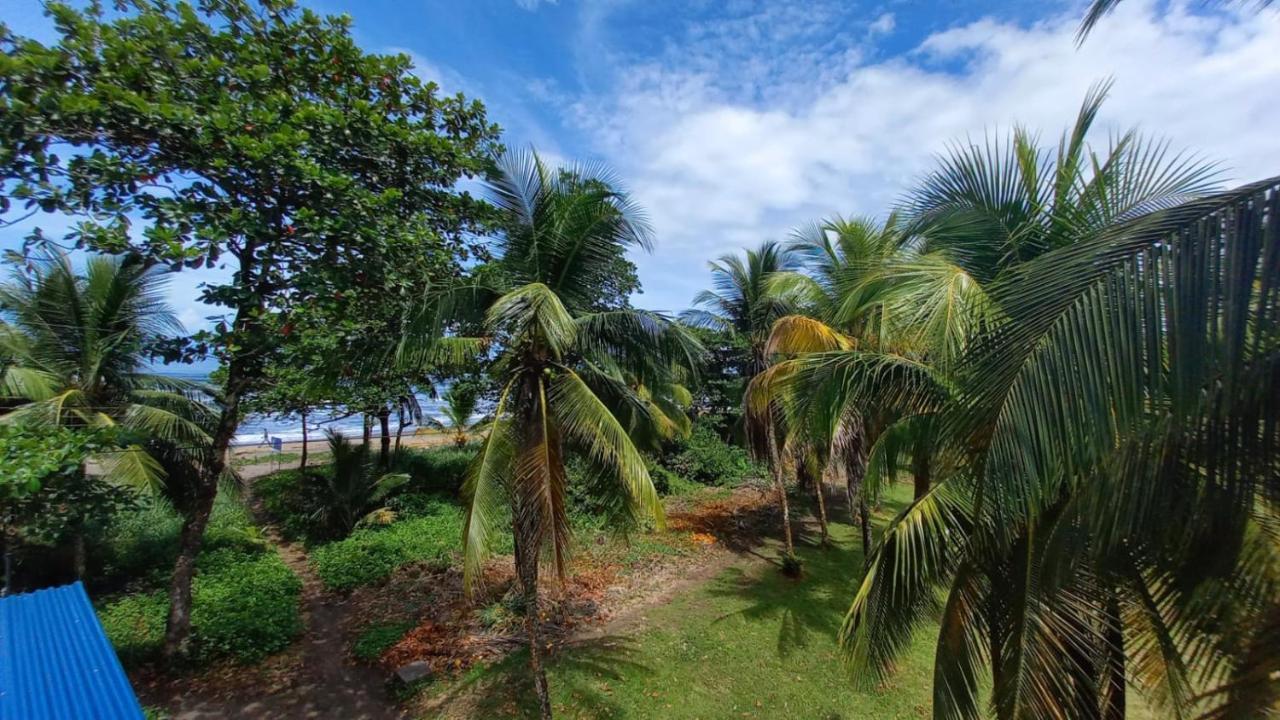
point(809, 479)
point(399, 428)
point(779, 483)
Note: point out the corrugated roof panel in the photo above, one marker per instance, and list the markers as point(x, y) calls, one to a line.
point(56, 662)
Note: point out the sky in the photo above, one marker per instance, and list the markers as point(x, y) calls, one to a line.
point(734, 121)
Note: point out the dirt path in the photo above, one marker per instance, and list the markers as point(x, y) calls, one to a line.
point(323, 682)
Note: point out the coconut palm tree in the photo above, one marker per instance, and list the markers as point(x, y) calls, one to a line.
point(460, 403)
point(745, 302)
point(554, 357)
point(75, 352)
point(1102, 469)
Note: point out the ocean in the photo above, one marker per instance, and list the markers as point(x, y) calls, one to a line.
point(256, 429)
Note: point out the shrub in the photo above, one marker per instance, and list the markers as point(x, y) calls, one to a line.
point(435, 470)
point(371, 554)
point(377, 638)
point(139, 545)
point(284, 497)
point(244, 607)
point(135, 626)
point(705, 458)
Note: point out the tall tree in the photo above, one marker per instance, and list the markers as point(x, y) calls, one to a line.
point(556, 360)
point(242, 132)
point(1079, 482)
point(82, 341)
point(745, 302)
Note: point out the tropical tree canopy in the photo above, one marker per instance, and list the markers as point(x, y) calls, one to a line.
point(76, 347)
point(1105, 482)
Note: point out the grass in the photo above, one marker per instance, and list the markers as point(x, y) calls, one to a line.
point(749, 643)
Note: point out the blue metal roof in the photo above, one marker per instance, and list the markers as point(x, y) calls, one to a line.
point(56, 662)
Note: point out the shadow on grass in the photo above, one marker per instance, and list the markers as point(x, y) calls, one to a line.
point(814, 604)
point(580, 670)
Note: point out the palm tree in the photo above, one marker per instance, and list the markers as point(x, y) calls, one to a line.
point(1103, 460)
point(460, 403)
point(554, 357)
point(354, 486)
point(745, 303)
point(75, 353)
point(1099, 9)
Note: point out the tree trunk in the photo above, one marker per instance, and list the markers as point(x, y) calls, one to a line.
point(921, 470)
point(1114, 707)
point(178, 624)
point(809, 479)
point(384, 426)
point(302, 464)
point(177, 635)
point(368, 430)
point(400, 429)
point(865, 523)
point(775, 462)
point(80, 553)
point(527, 569)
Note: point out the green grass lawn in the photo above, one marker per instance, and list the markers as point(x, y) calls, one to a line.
point(749, 643)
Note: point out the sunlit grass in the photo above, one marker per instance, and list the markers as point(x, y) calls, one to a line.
point(749, 643)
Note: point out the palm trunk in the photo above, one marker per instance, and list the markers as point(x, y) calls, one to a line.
point(921, 471)
point(80, 553)
point(367, 433)
point(384, 426)
point(809, 479)
point(399, 429)
point(865, 523)
point(302, 464)
point(775, 462)
point(527, 569)
point(1114, 704)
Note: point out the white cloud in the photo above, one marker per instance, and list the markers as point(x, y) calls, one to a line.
point(718, 168)
point(533, 4)
point(882, 25)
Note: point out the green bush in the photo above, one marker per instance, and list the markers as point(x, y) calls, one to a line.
point(138, 546)
point(436, 470)
point(244, 607)
point(377, 638)
point(135, 626)
point(373, 553)
point(705, 458)
point(284, 497)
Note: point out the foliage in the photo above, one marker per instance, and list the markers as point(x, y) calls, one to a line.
point(377, 638)
point(295, 500)
point(138, 545)
point(1097, 430)
point(80, 341)
point(437, 470)
point(245, 607)
point(703, 457)
point(252, 133)
point(353, 487)
point(372, 553)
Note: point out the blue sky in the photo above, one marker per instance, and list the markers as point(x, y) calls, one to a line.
point(734, 121)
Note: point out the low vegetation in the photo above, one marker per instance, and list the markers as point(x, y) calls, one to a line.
point(245, 602)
